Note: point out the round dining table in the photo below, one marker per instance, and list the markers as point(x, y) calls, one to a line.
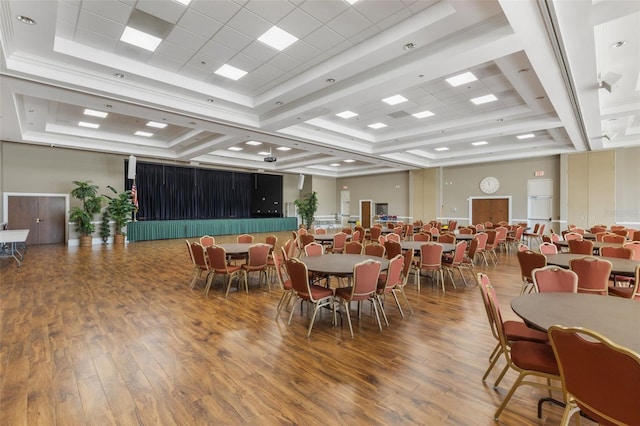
point(338, 264)
point(626, 267)
point(236, 248)
point(323, 238)
point(415, 245)
point(616, 318)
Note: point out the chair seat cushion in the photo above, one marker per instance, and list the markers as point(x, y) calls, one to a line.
point(320, 292)
point(534, 356)
point(621, 291)
point(517, 330)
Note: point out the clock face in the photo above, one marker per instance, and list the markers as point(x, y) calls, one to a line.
point(489, 185)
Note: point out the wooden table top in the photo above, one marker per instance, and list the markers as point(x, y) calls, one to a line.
point(625, 267)
point(616, 318)
point(338, 264)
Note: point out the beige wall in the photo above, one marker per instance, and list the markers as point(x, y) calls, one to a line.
point(390, 188)
point(627, 201)
point(325, 187)
point(424, 190)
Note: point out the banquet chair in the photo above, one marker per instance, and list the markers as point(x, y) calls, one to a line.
point(513, 330)
point(272, 240)
point(597, 229)
point(316, 295)
point(398, 230)
point(241, 239)
point(613, 238)
point(581, 247)
point(480, 227)
point(621, 232)
point(200, 264)
point(408, 232)
point(392, 249)
point(407, 263)
point(388, 281)
point(619, 253)
point(455, 262)
point(447, 238)
point(548, 248)
point(218, 259)
point(257, 261)
point(382, 239)
point(421, 236)
point(490, 246)
point(468, 261)
point(523, 247)
point(578, 230)
point(374, 233)
point(434, 233)
point(305, 239)
point(482, 244)
point(488, 225)
point(501, 239)
point(207, 241)
point(314, 249)
point(339, 240)
point(572, 236)
point(599, 378)
point(516, 238)
point(353, 247)
point(358, 235)
point(533, 234)
point(631, 292)
point(362, 288)
point(600, 235)
point(593, 274)
point(465, 230)
point(528, 261)
point(634, 246)
point(525, 357)
point(374, 249)
point(553, 279)
point(430, 261)
point(426, 228)
point(283, 281)
point(319, 231)
point(393, 237)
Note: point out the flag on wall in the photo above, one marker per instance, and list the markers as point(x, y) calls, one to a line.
point(134, 195)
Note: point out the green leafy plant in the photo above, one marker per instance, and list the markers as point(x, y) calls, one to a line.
point(105, 228)
point(91, 205)
point(120, 208)
point(307, 207)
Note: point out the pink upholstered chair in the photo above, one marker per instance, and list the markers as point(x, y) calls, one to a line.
point(635, 248)
point(392, 249)
point(218, 258)
point(421, 236)
point(392, 279)
point(283, 281)
point(430, 261)
point(353, 247)
point(593, 274)
point(572, 236)
point(581, 247)
point(374, 249)
point(613, 238)
point(207, 241)
point(528, 261)
point(393, 237)
point(548, 248)
point(552, 279)
point(314, 249)
point(339, 241)
point(455, 262)
point(631, 292)
point(257, 261)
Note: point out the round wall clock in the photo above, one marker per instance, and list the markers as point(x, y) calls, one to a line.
point(489, 185)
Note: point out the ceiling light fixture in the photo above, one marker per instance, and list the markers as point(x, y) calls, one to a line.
point(25, 20)
point(94, 113)
point(283, 148)
point(526, 136)
point(234, 148)
point(145, 134)
point(442, 148)
point(253, 143)
point(211, 100)
point(230, 72)
point(335, 164)
point(395, 99)
point(461, 79)
point(349, 161)
point(108, 106)
point(89, 125)
point(140, 39)
point(119, 75)
point(618, 44)
point(409, 46)
point(377, 125)
point(277, 38)
point(346, 114)
point(278, 103)
point(330, 80)
point(156, 125)
point(184, 2)
point(479, 143)
point(264, 153)
point(351, 2)
point(484, 99)
point(423, 114)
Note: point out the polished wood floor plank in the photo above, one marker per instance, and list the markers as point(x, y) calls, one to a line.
point(113, 335)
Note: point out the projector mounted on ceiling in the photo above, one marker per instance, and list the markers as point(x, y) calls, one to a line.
point(270, 158)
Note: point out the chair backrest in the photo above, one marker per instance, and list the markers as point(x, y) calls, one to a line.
point(406, 266)
point(518, 233)
point(314, 249)
point(392, 248)
point(613, 238)
point(600, 235)
point(244, 238)
point(466, 231)
point(482, 240)
point(272, 240)
point(548, 248)
point(502, 234)
point(299, 276)
point(426, 227)
point(492, 236)
point(581, 247)
point(523, 247)
point(319, 231)
point(339, 240)
point(393, 237)
point(458, 254)
point(598, 229)
point(593, 274)
point(394, 275)
point(199, 255)
point(360, 229)
point(398, 230)
point(375, 233)
point(353, 247)
point(554, 237)
point(602, 377)
point(258, 254)
point(382, 239)
point(218, 259)
point(552, 279)
point(289, 249)
point(473, 247)
point(306, 239)
point(190, 252)
point(635, 248)
point(617, 227)
point(530, 260)
point(365, 279)
point(408, 230)
point(619, 252)
point(430, 256)
point(541, 229)
point(480, 227)
point(447, 238)
point(578, 230)
point(374, 249)
point(572, 236)
point(421, 236)
point(302, 231)
point(488, 225)
point(492, 307)
point(278, 265)
point(207, 240)
point(434, 231)
point(355, 237)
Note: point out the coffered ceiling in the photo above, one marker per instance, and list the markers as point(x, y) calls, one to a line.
point(552, 67)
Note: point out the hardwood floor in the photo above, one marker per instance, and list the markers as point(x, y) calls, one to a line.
point(110, 335)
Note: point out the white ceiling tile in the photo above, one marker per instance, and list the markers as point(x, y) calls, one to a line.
point(232, 39)
point(266, 72)
point(299, 23)
point(220, 10)
point(324, 10)
point(339, 48)
point(249, 23)
point(244, 62)
point(167, 10)
point(110, 9)
point(165, 63)
point(260, 52)
point(217, 50)
point(220, 81)
point(174, 51)
point(271, 10)
point(66, 30)
point(100, 25)
point(201, 61)
point(283, 62)
point(197, 72)
point(397, 17)
point(186, 39)
point(420, 5)
point(376, 11)
point(199, 23)
point(364, 35)
point(302, 51)
point(324, 38)
point(67, 12)
point(133, 52)
point(349, 23)
point(85, 36)
point(128, 2)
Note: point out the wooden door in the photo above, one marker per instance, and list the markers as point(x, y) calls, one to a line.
point(45, 218)
point(365, 213)
point(489, 209)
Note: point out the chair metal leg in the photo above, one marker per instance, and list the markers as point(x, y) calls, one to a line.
point(397, 303)
point(384, 314)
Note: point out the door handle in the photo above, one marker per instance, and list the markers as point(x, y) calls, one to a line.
point(38, 220)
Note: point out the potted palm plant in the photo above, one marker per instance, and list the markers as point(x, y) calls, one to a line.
point(120, 208)
point(307, 207)
point(83, 215)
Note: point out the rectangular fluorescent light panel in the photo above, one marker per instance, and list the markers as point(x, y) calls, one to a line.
point(264, 153)
point(423, 114)
point(395, 99)
point(349, 161)
point(283, 148)
point(346, 114)
point(443, 148)
point(185, 2)
point(527, 136)
point(145, 134)
point(94, 113)
point(377, 125)
point(460, 79)
point(156, 125)
point(277, 38)
point(234, 148)
point(89, 125)
point(230, 72)
point(140, 39)
point(479, 143)
point(352, 1)
point(484, 99)
point(253, 143)
point(335, 164)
